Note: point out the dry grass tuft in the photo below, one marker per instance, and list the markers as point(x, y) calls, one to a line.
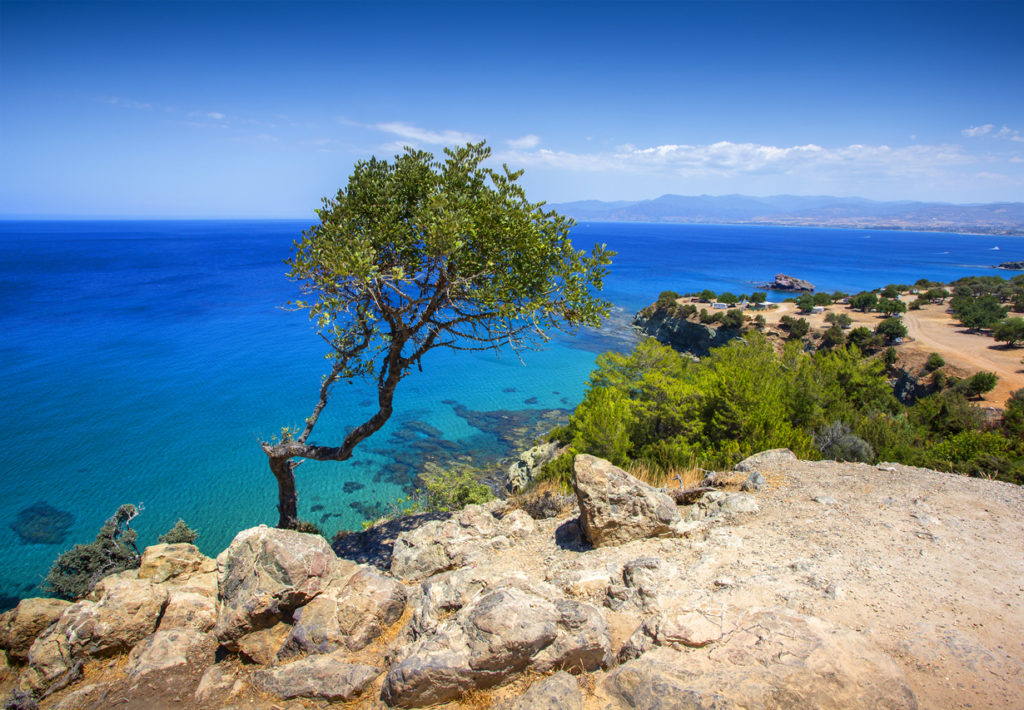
point(691, 474)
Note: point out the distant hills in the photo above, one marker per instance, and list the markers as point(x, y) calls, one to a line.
point(814, 211)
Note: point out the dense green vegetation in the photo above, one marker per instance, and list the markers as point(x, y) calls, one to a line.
point(657, 407)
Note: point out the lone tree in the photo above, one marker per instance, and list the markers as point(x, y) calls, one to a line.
point(419, 254)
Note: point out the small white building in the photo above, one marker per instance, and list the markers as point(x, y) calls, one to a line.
point(817, 309)
point(720, 306)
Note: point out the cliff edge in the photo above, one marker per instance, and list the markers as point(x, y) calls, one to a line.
point(821, 584)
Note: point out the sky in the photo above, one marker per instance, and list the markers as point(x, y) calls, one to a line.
point(260, 109)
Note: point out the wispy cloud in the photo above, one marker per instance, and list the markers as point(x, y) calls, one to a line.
point(975, 131)
point(216, 115)
point(728, 159)
point(525, 143)
point(989, 130)
point(422, 135)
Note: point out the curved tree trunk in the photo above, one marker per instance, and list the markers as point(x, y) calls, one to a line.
point(288, 499)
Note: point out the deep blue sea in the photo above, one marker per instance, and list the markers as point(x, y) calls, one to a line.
point(143, 362)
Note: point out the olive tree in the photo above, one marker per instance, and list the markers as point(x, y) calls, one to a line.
point(423, 253)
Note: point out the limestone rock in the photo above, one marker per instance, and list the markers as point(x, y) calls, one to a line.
point(680, 628)
point(471, 534)
point(499, 634)
point(266, 573)
point(349, 615)
point(528, 465)
point(175, 649)
point(615, 507)
point(188, 610)
point(556, 692)
point(328, 677)
point(715, 503)
point(755, 482)
point(264, 645)
point(783, 282)
point(166, 561)
point(766, 658)
point(20, 626)
point(772, 458)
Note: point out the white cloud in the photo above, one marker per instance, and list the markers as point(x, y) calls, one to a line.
point(421, 135)
point(726, 159)
point(128, 103)
point(526, 142)
point(975, 131)
point(216, 116)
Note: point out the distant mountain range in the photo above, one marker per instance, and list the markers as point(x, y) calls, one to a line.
point(816, 211)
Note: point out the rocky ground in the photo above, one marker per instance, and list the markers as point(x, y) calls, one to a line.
point(833, 585)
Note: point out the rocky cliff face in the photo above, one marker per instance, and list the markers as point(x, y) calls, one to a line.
point(825, 586)
point(670, 327)
point(783, 282)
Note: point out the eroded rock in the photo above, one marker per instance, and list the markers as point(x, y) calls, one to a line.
point(167, 561)
point(496, 636)
point(616, 508)
point(329, 677)
point(350, 614)
point(20, 626)
point(469, 535)
point(169, 650)
point(765, 658)
point(772, 458)
point(265, 574)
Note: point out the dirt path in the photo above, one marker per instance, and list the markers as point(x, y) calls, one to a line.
point(934, 330)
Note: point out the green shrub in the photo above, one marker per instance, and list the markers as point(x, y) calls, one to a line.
point(837, 442)
point(454, 489)
point(891, 329)
point(75, 572)
point(180, 532)
point(306, 526)
point(935, 361)
point(733, 319)
point(667, 299)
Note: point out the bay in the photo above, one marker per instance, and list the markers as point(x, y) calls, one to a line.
point(143, 361)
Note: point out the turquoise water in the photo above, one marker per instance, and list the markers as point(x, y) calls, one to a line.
point(144, 361)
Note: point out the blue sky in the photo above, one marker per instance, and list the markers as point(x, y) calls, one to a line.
point(238, 109)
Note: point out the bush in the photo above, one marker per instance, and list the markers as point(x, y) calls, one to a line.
point(833, 337)
point(977, 384)
point(935, 361)
point(733, 319)
point(667, 299)
point(797, 327)
point(180, 532)
point(688, 310)
point(75, 572)
point(306, 526)
point(454, 489)
point(837, 442)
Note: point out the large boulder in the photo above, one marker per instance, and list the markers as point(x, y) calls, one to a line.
point(472, 534)
point(616, 508)
point(763, 658)
point(265, 574)
point(20, 626)
point(329, 677)
point(189, 610)
point(127, 611)
point(349, 615)
point(496, 636)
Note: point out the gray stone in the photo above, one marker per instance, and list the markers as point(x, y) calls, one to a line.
point(772, 458)
point(825, 500)
point(679, 628)
point(265, 574)
point(616, 508)
point(470, 535)
point(496, 636)
point(715, 503)
point(755, 482)
point(218, 681)
point(349, 615)
point(329, 677)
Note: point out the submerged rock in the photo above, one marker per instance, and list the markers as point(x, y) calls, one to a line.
point(42, 524)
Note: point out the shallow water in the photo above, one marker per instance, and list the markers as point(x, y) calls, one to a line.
point(144, 361)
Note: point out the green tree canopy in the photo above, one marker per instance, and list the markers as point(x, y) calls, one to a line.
point(1009, 331)
point(418, 254)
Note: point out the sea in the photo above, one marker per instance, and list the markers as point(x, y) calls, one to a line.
point(144, 361)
